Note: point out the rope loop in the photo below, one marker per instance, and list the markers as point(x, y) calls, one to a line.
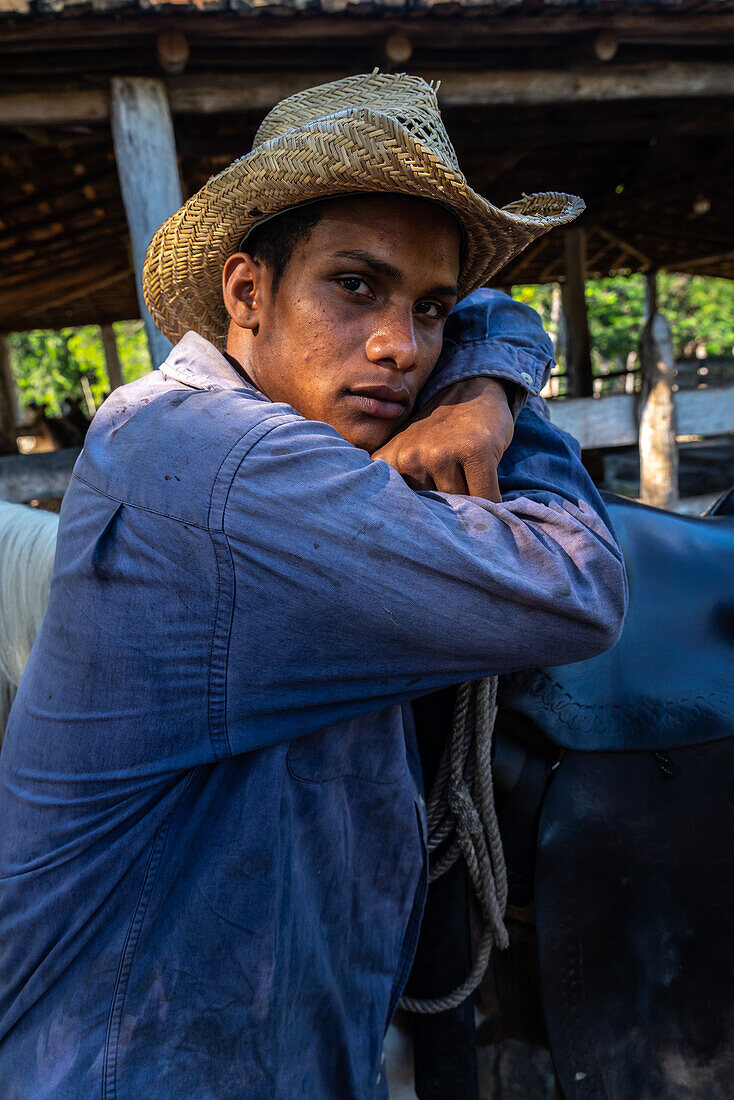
point(465, 812)
point(462, 821)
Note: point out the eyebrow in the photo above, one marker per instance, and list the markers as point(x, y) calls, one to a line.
point(380, 267)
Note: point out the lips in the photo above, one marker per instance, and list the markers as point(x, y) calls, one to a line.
point(383, 402)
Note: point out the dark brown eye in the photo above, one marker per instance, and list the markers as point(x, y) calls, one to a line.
point(354, 284)
point(432, 310)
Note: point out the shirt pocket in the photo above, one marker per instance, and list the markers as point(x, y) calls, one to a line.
point(370, 747)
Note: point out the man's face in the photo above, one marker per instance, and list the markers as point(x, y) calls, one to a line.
point(355, 326)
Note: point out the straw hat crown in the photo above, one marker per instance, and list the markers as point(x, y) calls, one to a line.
point(409, 100)
point(381, 132)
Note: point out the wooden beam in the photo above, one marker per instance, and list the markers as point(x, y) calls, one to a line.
point(209, 93)
point(202, 94)
point(30, 297)
point(37, 476)
point(636, 25)
point(576, 321)
point(615, 239)
point(145, 149)
point(111, 355)
point(55, 107)
point(658, 445)
point(651, 294)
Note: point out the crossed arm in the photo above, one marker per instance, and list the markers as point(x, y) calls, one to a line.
point(371, 594)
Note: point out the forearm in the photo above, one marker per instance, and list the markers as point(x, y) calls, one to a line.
point(372, 594)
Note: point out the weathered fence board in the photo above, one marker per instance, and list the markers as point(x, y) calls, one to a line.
point(37, 476)
point(612, 421)
point(705, 412)
point(602, 422)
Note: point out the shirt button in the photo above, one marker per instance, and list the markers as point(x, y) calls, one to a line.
point(527, 378)
point(421, 801)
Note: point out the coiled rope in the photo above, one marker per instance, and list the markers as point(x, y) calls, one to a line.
point(462, 821)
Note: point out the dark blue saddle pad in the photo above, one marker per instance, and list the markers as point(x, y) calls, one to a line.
point(669, 680)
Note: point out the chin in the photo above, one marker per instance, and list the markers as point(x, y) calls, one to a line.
point(369, 436)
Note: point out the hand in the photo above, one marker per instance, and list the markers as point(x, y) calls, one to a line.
point(456, 442)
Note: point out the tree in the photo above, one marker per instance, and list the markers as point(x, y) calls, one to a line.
point(49, 366)
point(700, 311)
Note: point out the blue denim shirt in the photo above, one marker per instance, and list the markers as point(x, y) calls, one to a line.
point(212, 836)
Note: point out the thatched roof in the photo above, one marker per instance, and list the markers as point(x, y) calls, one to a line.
point(394, 8)
point(655, 172)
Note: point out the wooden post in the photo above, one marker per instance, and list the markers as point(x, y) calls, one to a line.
point(145, 150)
point(112, 357)
point(651, 293)
point(658, 445)
point(8, 402)
point(576, 323)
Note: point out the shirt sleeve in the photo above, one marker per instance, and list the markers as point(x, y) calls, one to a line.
point(353, 592)
point(491, 335)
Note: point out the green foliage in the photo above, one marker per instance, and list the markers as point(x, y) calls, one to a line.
point(700, 311)
point(49, 366)
point(132, 347)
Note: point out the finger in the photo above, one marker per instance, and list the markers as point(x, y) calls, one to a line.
point(420, 482)
point(388, 453)
point(482, 481)
point(451, 480)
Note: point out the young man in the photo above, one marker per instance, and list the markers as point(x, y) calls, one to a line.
point(212, 834)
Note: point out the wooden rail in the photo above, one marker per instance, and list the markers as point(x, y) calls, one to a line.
point(612, 421)
point(37, 477)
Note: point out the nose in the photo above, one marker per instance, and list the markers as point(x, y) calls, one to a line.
point(392, 343)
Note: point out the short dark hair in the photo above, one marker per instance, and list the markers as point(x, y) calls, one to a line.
point(275, 241)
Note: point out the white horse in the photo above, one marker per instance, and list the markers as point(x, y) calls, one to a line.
point(27, 548)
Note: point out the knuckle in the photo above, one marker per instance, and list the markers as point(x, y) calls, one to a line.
point(411, 459)
point(439, 457)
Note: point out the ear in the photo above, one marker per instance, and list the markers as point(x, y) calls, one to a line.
point(245, 287)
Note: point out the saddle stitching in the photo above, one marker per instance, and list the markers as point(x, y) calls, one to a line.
point(588, 716)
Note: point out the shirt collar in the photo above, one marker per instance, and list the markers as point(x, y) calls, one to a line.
point(197, 363)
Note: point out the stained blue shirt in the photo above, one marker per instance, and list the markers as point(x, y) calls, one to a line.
point(212, 834)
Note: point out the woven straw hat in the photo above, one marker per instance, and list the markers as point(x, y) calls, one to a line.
point(372, 133)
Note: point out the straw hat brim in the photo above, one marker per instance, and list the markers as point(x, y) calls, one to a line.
point(356, 150)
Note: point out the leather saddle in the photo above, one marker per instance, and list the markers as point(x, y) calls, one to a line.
point(614, 781)
point(669, 680)
point(633, 874)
